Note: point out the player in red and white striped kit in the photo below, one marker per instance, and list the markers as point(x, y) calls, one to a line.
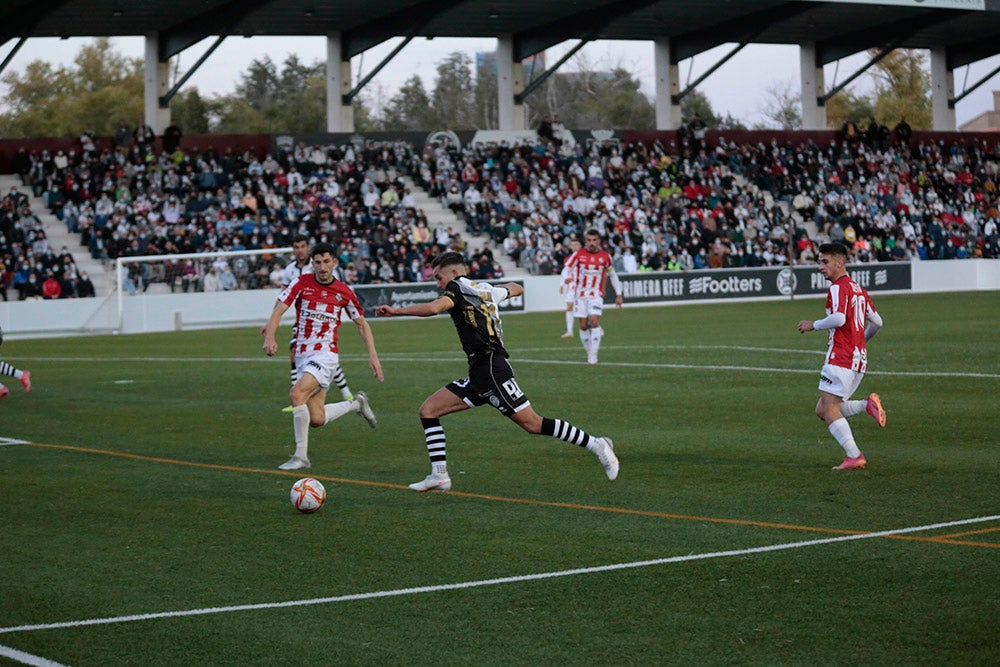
point(321, 303)
point(300, 265)
point(589, 269)
point(568, 288)
point(851, 320)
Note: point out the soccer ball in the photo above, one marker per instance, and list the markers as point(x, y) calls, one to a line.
point(308, 495)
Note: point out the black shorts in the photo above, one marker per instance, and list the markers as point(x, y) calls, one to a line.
point(491, 380)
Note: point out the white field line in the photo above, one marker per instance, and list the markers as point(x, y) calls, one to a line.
point(26, 658)
point(487, 582)
point(445, 359)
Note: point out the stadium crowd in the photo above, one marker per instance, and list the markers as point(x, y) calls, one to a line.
point(28, 263)
point(691, 206)
point(686, 205)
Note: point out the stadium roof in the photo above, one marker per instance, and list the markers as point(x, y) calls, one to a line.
point(967, 29)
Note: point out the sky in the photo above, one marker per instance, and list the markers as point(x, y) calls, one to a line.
point(738, 88)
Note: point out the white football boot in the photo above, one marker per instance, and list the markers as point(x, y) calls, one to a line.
point(433, 482)
point(365, 408)
point(294, 463)
point(605, 451)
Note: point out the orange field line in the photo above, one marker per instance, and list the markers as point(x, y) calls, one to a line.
point(970, 532)
point(525, 501)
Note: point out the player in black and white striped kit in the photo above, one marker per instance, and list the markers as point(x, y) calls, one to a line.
point(301, 265)
point(474, 308)
point(7, 369)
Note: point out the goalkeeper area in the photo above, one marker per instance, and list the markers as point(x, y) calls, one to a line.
point(145, 521)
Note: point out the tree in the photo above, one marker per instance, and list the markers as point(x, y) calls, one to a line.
point(782, 107)
point(290, 100)
point(848, 105)
point(731, 123)
point(592, 99)
point(453, 99)
point(696, 103)
point(619, 104)
point(99, 89)
point(258, 85)
point(485, 95)
point(902, 88)
point(410, 108)
point(191, 111)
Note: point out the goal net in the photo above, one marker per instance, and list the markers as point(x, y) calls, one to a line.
point(201, 272)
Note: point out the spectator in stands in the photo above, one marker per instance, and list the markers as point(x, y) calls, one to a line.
point(172, 138)
point(212, 282)
point(545, 131)
point(903, 132)
point(85, 287)
point(122, 136)
point(32, 288)
point(143, 137)
point(22, 165)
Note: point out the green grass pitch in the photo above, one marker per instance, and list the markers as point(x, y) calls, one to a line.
point(144, 521)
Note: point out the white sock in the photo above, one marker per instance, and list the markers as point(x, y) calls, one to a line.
point(569, 322)
point(851, 408)
point(300, 425)
point(440, 468)
point(585, 339)
point(841, 431)
point(596, 334)
point(337, 410)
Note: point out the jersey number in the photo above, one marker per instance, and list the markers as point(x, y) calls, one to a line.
point(860, 311)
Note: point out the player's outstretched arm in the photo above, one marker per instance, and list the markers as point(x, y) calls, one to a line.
point(513, 289)
point(435, 307)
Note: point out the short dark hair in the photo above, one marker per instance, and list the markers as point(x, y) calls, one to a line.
point(833, 249)
point(593, 232)
point(322, 249)
point(300, 237)
point(450, 258)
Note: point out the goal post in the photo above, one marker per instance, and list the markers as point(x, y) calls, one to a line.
point(230, 270)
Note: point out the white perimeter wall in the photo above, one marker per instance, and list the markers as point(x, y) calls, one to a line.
point(146, 313)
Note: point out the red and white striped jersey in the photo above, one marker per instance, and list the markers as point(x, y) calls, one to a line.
point(589, 272)
point(319, 311)
point(568, 275)
point(847, 347)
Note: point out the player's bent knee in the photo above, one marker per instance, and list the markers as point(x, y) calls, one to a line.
point(428, 412)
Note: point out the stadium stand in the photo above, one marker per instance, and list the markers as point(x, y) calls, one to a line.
point(511, 207)
point(35, 247)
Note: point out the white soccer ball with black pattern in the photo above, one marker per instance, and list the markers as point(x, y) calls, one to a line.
point(308, 495)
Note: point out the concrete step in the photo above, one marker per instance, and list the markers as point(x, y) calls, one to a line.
point(59, 237)
point(439, 214)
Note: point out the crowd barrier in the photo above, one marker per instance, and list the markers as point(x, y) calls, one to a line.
point(147, 313)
